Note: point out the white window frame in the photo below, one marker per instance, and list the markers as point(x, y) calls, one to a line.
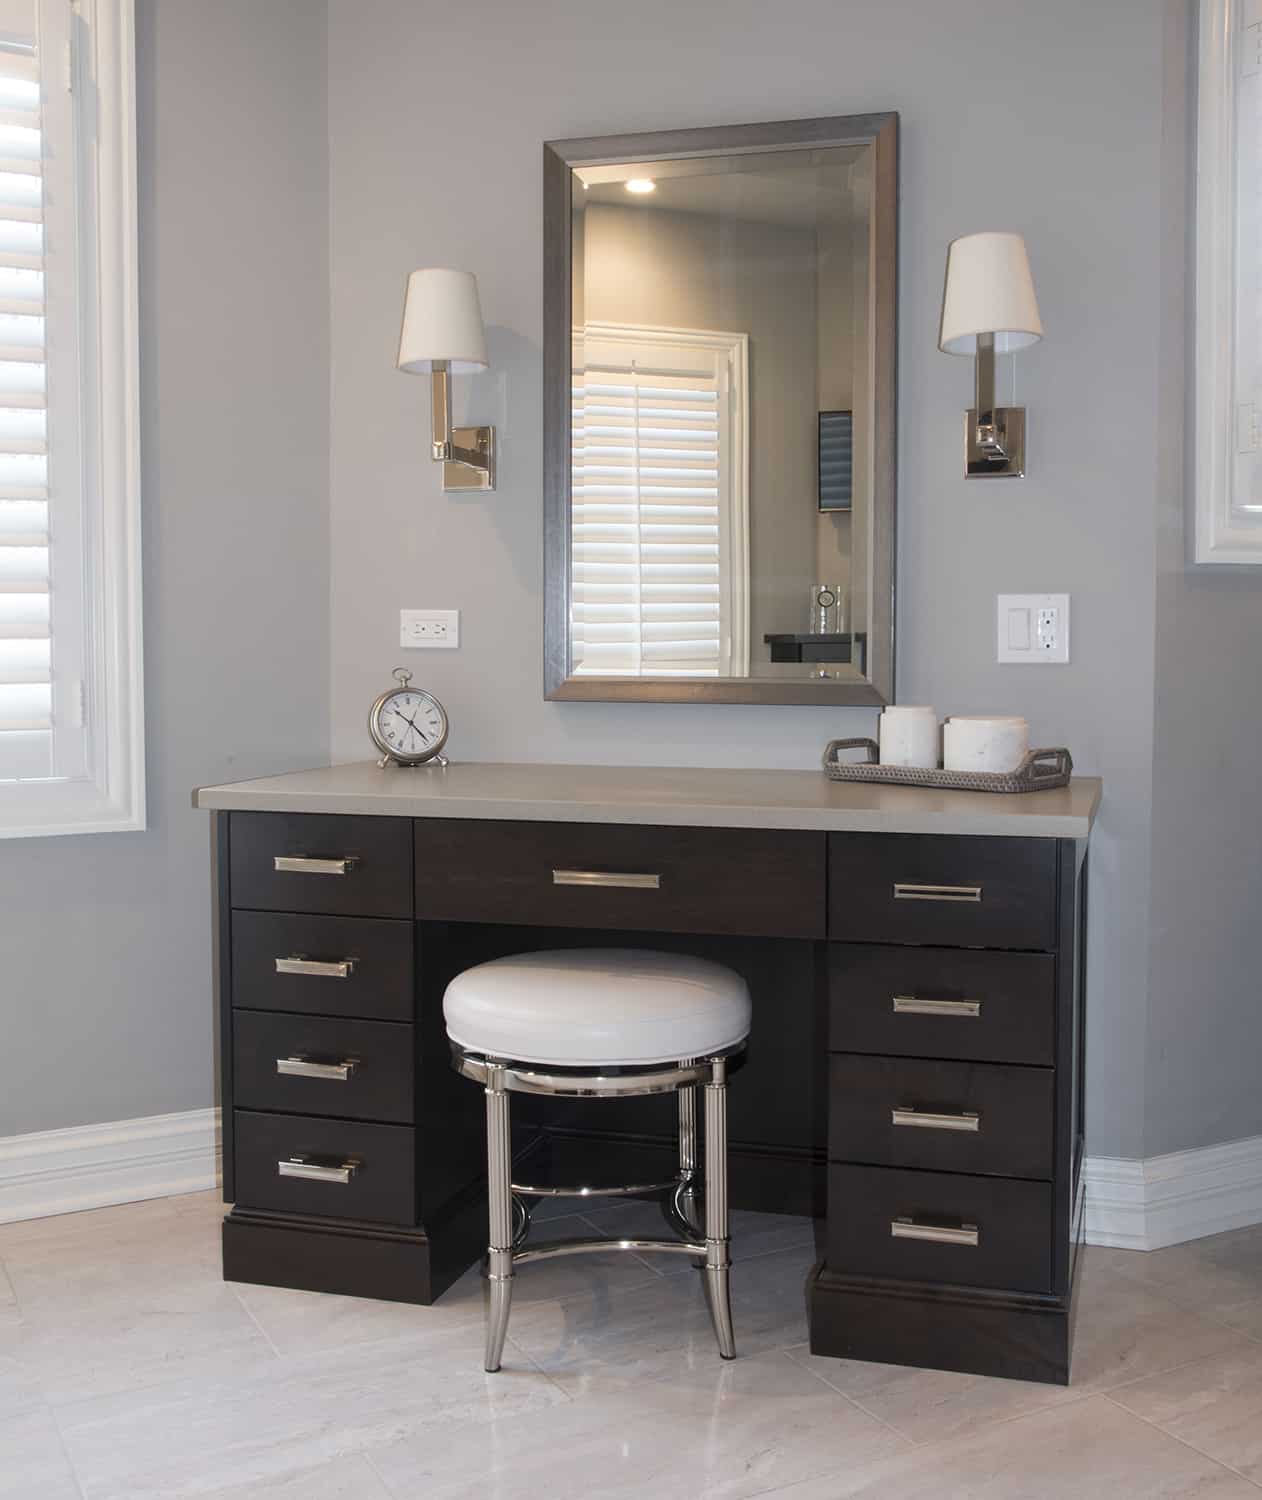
point(1223, 534)
point(109, 795)
point(733, 350)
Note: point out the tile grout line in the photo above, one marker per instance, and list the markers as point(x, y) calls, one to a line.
point(1157, 1289)
point(249, 1312)
point(1071, 1400)
point(596, 1230)
point(61, 1441)
point(386, 1487)
point(1254, 1338)
point(786, 1353)
point(538, 1368)
point(1174, 1437)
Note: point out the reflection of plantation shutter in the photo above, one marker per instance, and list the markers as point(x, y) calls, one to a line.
point(659, 579)
point(25, 647)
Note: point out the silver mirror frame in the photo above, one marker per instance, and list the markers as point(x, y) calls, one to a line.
point(880, 131)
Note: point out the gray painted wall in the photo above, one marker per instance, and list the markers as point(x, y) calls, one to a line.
point(105, 946)
point(105, 942)
point(435, 122)
point(1204, 1035)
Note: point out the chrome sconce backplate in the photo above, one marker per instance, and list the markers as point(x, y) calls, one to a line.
point(467, 476)
point(995, 449)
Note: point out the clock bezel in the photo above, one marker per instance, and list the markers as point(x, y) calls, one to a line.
point(390, 752)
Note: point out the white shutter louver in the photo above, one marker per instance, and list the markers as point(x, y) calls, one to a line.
point(25, 637)
point(658, 524)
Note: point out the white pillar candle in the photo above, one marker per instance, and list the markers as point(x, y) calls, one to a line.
point(974, 742)
point(909, 736)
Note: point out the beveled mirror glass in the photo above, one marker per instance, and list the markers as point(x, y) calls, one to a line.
point(719, 373)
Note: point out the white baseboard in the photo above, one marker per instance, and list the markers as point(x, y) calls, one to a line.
point(1133, 1205)
point(90, 1166)
point(1145, 1205)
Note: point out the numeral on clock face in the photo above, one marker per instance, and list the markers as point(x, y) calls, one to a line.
point(409, 723)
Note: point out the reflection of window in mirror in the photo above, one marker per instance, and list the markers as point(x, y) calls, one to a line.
point(660, 549)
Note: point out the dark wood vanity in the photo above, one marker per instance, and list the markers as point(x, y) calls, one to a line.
point(915, 1069)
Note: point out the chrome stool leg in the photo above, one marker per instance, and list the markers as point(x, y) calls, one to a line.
point(681, 1207)
point(717, 1257)
point(499, 1158)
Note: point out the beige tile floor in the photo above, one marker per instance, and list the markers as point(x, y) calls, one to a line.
point(129, 1369)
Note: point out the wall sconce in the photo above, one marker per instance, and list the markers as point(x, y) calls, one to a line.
point(443, 334)
point(988, 308)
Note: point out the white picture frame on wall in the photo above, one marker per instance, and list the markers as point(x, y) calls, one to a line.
point(1228, 288)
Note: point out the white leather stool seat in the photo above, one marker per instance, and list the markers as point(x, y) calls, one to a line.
point(598, 1007)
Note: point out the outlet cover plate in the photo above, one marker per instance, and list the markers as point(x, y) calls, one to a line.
point(1032, 629)
point(432, 629)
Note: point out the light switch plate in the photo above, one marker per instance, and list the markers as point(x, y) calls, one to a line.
point(432, 628)
point(1032, 628)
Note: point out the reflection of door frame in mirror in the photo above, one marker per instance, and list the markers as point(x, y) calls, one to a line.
point(729, 357)
point(560, 158)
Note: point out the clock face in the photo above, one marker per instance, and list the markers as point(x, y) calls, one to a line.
point(410, 725)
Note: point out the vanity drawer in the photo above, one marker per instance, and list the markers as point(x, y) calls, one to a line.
point(347, 865)
point(944, 1116)
point(940, 1227)
point(323, 1065)
point(942, 1002)
point(366, 1171)
point(959, 892)
point(758, 883)
point(325, 966)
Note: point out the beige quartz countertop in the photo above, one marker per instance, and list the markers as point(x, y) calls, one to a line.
point(677, 795)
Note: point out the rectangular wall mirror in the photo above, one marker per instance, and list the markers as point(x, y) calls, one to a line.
point(720, 413)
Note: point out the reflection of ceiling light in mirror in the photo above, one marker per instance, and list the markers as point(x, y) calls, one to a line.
point(641, 185)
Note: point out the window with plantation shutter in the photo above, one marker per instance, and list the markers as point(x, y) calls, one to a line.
point(71, 756)
point(25, 616)
point(660, 530)
point(1229, 284)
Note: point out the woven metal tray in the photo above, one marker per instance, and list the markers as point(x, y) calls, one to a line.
point(1040, 771)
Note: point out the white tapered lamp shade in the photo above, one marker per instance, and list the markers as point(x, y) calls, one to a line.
point(442, 321)
point(989, 289)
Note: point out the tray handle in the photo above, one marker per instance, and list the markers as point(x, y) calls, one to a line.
point(1046, 765)
point(832, 756)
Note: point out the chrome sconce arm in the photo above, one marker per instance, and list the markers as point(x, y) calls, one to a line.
point(467, 449)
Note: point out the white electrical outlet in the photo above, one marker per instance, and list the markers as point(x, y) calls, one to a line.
point(1032, 628)
point(433, 628)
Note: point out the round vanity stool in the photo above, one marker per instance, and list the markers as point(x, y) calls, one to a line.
point(603, 1024)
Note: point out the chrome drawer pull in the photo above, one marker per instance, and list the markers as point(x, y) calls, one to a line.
point(320, 968)
point(940, 1234)
point(607, 879)
point(303, 1067)
point(913, 1005)
point(300, 864)
point(904, 892)
point(927, 1120)
point(317, 1171)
